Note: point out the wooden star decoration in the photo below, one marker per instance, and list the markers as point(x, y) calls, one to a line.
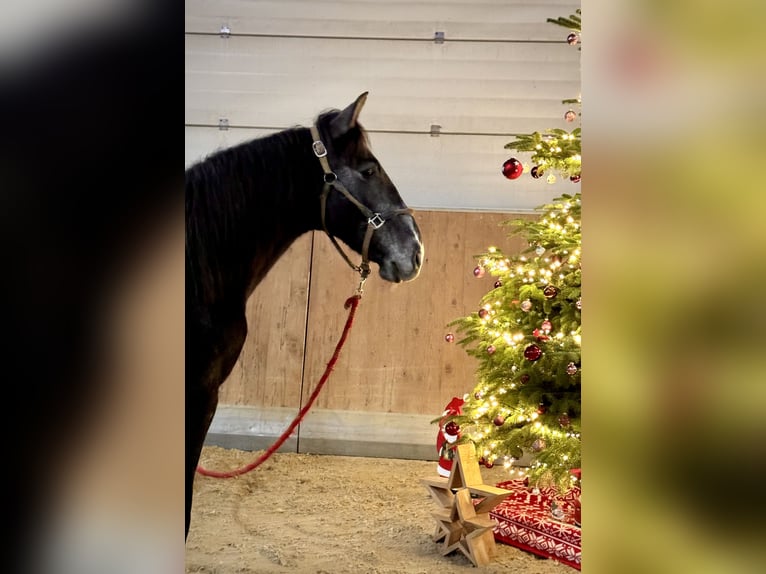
point(460, 524)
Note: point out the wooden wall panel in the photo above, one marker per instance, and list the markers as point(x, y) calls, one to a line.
point(396, 359)
point(269, 371)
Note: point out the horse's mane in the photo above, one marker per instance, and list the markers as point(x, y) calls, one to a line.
point(232, 200)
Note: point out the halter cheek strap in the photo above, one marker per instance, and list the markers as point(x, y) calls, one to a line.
point(375, 220)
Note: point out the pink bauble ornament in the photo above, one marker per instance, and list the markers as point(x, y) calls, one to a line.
point(478, 271)
point(491, 350)
point(499, 420)
point(526, 305)
point(483, 313)
point(570, 115)
point(449, 337)
point(512, 168)
point(573, 39)
point(546, 326)
point(538, 445)
point(564, 420)
point(571, 368)
point(578, 304)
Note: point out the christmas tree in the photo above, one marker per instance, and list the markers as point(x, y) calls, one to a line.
point(526, 332)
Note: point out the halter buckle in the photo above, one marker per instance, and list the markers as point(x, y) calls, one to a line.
point(319, 149)
point(376, 221)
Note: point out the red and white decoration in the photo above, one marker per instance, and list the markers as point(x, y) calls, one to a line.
point(524, 520)
point(449, 432)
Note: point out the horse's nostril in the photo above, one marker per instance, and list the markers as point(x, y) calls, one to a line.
point(416, 259)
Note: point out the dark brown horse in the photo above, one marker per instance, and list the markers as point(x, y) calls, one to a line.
point(244, 207)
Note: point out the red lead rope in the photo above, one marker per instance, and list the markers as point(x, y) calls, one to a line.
point(352, 303)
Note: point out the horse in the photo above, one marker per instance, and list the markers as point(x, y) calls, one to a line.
point(245, 205)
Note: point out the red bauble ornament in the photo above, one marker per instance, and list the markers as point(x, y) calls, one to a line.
point(452, 428)
point(512, 168)
point(532, 353)
point(523, 379)
point(546, 326)
point(449, 337)
point(499, 420)
point(564, 420)
point(483, 313)
point(498, 283)
point(541, 409)
point(572, 39)
point(575, 178)
point(550, 291)
point(478, 271)
point(478, 396)
point(489, 464)
point(539, 335)
point(537, 172)
point(491, 350)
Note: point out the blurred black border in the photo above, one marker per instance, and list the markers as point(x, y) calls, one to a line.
point(91, 168)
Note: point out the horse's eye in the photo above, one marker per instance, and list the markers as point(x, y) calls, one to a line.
point(369, 172)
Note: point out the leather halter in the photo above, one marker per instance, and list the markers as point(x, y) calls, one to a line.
point(375, 220)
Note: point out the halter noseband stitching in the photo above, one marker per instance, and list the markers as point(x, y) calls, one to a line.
point(375, 220)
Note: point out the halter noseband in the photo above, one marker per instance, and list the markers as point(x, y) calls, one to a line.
point(375, 220)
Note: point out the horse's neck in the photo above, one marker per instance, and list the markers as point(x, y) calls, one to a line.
point(268, 196)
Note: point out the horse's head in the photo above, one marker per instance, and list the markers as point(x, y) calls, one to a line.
point(395, 245)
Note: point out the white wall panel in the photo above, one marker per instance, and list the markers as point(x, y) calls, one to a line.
point(445, 172)
point(286, 61)
point(520, 20)
point(474, 88)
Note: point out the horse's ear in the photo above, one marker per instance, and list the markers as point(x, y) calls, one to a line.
point(346, 120)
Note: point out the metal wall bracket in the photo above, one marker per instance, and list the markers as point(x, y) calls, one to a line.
point(438, 37)
point(225, 31)
point(436, 130)
point(223, 124)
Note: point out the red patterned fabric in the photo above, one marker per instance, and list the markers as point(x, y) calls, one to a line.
point(524, 520)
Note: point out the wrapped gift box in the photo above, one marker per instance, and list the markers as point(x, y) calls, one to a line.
point(525, 520)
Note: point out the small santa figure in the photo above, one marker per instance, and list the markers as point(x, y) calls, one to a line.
point(448, 434)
